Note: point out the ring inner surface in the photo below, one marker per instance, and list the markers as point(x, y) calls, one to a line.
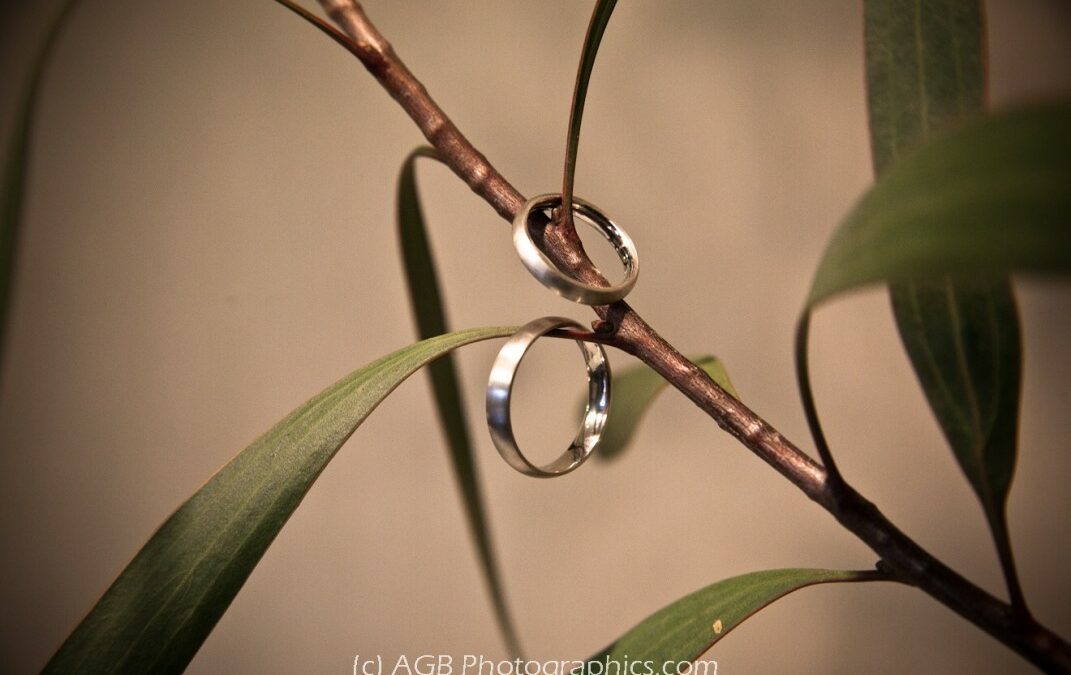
point(595, 411)
point(592, 219)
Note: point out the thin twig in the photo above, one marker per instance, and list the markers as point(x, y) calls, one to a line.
point(379, 58)
point(901, 557)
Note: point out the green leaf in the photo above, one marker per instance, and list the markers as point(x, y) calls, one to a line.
point(635, 388)
point(925, 71)
point(420, 273)
point(980, 202)
point(426, 300)
point(686, 629)
point(15, 169)
point(987, 199)
point(600, 17)
point(164, 604)
point(925, 65)
point(968, 361)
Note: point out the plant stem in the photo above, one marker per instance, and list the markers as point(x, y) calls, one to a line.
point(901, 557)
point(457, 152)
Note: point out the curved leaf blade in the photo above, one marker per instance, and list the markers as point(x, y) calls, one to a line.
point(600, 18)
point(983, 201)
point(430, 315)
point(925, 71)
point(15, 168)
point(988, 199)
point(686, 629)
point(159, 611)
point(635, 389)
point(421, 276)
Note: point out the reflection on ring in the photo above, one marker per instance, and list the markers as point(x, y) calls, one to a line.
point(553, 278)
point(500, 387)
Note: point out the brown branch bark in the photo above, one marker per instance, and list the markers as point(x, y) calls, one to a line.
point(621, 327)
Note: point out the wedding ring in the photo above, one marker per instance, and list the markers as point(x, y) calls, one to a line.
point(500, 387)
point(550, 276)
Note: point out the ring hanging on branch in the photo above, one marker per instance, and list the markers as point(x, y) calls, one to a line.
point(550, 276)
point(500, 388)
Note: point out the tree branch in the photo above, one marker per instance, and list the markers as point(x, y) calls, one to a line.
point(465, 160)
point(622, 327)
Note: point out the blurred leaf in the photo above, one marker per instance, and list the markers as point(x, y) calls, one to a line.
point(600, 17)
point(988, 199)
point(15, 170)
point(686, 629)
point(635, 388)
point(420, 273)
point(979, 202)
point(925, 65)
point(426, 300)
point(925, 71)
point(159, 611)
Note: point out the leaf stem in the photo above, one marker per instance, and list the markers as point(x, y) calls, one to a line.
point(803, 378)
point(998, 522)
point(600, 16)
point(901, 557)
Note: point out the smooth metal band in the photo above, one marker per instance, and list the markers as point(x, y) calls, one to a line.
point(500, 387)
point(550, 276)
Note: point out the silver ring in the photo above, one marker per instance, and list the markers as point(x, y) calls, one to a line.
point(500, 387)
point(550, 276)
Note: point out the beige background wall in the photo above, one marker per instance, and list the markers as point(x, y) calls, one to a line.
point(209, 241)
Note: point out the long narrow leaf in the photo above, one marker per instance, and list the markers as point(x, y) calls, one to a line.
point(925, 72)
point(600, 17)
point(967, 355)
point(159, 611)
point(15, 168)
point(684, 630)
point(430, 315)
point(635, 388)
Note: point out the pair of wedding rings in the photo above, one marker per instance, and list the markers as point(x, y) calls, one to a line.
point(500, 384)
